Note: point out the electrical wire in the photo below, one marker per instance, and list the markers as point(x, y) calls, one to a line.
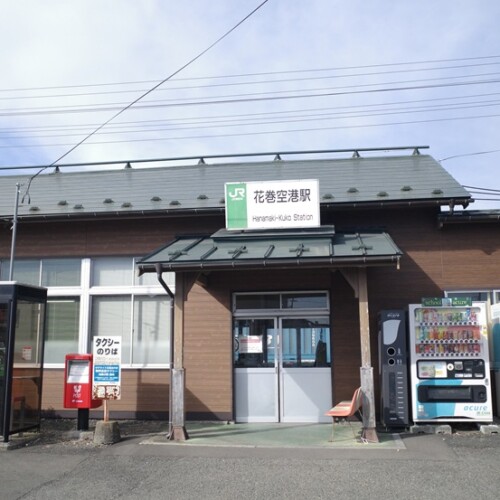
point(152, 123)
point(483, 189)
point(471, 154)
point(152, 89)
point(299, 118)
point(258, 82)
point(240, 75)
point(267, 132)
point(83, 109)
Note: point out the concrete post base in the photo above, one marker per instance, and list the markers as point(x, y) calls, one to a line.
point(369, 435)
point(179, 433)
point(431, 429)
point(107, 433)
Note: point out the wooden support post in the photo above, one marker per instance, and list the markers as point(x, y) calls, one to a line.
point(106, 411)
point(366, 374)
point(177, 382)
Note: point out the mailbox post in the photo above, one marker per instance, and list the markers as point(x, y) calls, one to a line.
point(78, 387)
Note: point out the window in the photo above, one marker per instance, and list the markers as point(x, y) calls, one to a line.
point(304, 301)
point(253, 301)
point(101, 296)
point(143, 323)
point(280, 301)
point(26, 271)
point(112, 271)
point(475, 295)
point(111, 316)
point(63, 319)
point(151, 340)
point(61, 272)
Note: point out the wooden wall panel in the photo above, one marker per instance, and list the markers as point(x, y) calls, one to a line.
point(208, 353)
point(101, 237)
point(142, 391)
point(435, 259)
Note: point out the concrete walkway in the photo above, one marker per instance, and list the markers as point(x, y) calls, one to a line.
point(281, 435)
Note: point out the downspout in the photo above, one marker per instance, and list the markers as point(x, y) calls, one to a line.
point(171, 295)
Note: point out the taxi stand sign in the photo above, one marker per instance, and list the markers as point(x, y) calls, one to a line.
point(272, 204)
point(106, 379)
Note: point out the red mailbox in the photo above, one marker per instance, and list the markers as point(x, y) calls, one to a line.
point(78, 382)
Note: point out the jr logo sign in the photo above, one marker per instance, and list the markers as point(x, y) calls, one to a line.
point(272, 204)
point(236, 206)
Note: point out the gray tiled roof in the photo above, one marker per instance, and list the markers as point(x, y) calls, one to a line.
point(245, 250)
point(372, 180)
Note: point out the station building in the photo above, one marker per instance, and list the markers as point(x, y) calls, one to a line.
point(271, 325)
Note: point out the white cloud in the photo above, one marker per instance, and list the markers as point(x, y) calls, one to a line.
point(59, 43)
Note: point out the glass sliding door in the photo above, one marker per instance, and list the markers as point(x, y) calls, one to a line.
point(282, 374)
point(255, 370)
point(305, 385)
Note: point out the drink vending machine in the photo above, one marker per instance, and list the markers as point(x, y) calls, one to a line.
point(393, 368)
point(449, 369)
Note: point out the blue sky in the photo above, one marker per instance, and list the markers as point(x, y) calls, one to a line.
point(396, 74)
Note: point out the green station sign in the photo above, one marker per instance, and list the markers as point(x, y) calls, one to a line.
point(446, 301)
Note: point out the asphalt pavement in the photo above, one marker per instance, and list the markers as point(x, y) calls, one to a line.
point(145, 465)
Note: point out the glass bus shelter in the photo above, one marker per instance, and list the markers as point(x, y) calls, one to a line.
point(22, 335)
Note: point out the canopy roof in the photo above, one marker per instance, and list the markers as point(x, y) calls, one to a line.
point(316, 247)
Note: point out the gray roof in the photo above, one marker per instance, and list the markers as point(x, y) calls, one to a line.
point(175, 189)
point(226, 250)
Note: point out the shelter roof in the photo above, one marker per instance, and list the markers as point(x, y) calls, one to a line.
point(315, 247)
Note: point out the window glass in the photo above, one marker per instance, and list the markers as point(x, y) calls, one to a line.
point(151, 342)
point(27, 271)
point(26, 385)
point(117, 271)
point(476, 296)
point(63, 318)
point(4, 270)
point(111, 316)
point(306, 342)
point(304, 301)
point(254, 343)
point(264, 301)
point(497, 297)
point(4, 327)
point(61, 272)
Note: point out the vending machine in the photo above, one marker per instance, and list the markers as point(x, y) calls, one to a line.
point(393, 369)
point(449, 369)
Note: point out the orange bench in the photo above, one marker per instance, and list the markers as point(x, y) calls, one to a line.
point(346, 409)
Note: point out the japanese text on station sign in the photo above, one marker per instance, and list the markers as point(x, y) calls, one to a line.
point(272, 204)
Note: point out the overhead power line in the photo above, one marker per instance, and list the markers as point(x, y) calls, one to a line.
point(483, 189)
point(256, 82)
point(210, 123)
point(152, 89)
point(234, 116)
point(223, 100)
point(266, 132)
point(470, 154)
point(262, 73)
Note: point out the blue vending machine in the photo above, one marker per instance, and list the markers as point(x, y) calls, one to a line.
point(450, 369)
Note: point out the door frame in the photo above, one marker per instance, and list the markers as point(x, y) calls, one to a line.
point(278, 315)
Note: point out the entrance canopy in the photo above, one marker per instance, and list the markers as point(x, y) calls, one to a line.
point(283, 249)
point(313, 247)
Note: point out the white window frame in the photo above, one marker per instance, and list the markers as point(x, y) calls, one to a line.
point(281, 311)
point(86, 291)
